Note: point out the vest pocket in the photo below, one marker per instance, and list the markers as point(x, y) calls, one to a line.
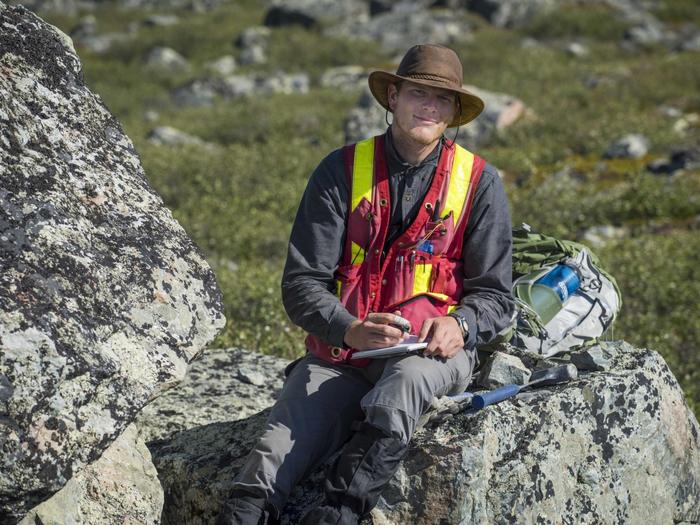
point(360, 230)
point(347, 280)
point(439, 234)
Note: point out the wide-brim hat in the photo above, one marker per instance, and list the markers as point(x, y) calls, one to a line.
point(431, 65)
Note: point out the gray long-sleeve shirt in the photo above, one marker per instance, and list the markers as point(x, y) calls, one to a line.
point(318, 237)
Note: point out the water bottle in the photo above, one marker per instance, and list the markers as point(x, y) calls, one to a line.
point(548, 293)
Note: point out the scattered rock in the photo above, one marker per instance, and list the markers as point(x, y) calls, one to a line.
point(197, 92)
point(284, 83)
point(601, 234)
point(238, 85)
point(399, 29)
point(253, 43)
point(545, 453)
point(167, 60)
point(690, 43)
point(501, 111)
point(686, 122)
point(347, 78)
point(314, 13)
point(101, 44)
point(222, 66)
point(169, 136)
point(365, 120)
point(151, 115)
point(649, 32)
point(509, 13)
point(104, 298)
point(160, 20)
point(503, 369)
point(221, 385)
point(596, 358)
point(86, 27)
point(633, 146)
point(576, 49)
point(681, 159)
point(120, 487)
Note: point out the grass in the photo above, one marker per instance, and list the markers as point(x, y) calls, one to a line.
point(238, 200)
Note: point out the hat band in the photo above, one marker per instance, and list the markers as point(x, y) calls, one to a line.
point(434, 78)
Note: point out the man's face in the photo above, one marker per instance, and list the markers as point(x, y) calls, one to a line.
point(421, 113)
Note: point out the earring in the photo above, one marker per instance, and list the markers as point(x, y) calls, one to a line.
point(386, 118)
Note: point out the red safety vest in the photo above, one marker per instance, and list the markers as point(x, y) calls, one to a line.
point(421, 273)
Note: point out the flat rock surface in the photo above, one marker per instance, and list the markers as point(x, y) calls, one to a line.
point(221, 385)
point(619, 446)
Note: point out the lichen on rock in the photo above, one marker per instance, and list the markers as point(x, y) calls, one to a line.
point(104, 299)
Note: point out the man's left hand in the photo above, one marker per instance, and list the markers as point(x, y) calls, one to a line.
point(445, 337)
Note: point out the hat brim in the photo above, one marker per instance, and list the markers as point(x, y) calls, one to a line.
point(470, 105)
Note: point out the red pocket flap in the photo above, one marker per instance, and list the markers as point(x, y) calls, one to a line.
point(360, 223)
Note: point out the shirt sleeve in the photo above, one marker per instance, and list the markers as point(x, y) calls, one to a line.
point(315, 248)
point(488, 303)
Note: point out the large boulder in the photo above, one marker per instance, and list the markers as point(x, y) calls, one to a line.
point(614, 446)
point(104, 299)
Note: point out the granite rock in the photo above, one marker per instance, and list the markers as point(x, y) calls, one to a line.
point(104, 299)
point(221, 385)
point(120, 487)
point(619, 446)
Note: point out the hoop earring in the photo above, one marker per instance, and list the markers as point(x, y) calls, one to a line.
point(386, 118)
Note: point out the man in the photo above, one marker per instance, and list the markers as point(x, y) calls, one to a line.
point(405, 224)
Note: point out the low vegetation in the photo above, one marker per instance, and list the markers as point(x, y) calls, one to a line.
point(238, 200)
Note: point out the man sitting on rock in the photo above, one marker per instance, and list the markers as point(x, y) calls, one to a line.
point(404, 224)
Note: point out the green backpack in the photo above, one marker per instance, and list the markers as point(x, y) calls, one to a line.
point(584, 317)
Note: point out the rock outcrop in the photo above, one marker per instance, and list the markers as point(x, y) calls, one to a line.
point(104, 299)
point(614, 446)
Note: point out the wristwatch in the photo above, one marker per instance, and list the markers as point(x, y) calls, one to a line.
point(463, 325)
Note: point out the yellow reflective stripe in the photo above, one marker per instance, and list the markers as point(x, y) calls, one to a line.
point(362, 171)
point(421, 278)
point(452, 308)
point(338, 287)
point(358, 253)
point(459, 183)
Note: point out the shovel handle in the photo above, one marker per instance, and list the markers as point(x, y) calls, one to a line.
point(494, 396)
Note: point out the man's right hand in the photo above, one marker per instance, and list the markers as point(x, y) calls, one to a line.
point(374, 332)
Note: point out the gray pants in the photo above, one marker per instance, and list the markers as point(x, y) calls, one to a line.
point(312, 417)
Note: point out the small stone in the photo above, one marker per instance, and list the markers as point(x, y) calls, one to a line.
point(253, 43)
point(160, 20)
point(251, 376)
point(347, 78)
point(632, 146)
point(576, 49)
point(169, 136)
point(166, 59)
point(593, 359)
point(223, 66)
point(601, 234)
point(503, 369)
point(287, 84)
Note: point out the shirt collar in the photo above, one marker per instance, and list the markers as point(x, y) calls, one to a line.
point(398, 165)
